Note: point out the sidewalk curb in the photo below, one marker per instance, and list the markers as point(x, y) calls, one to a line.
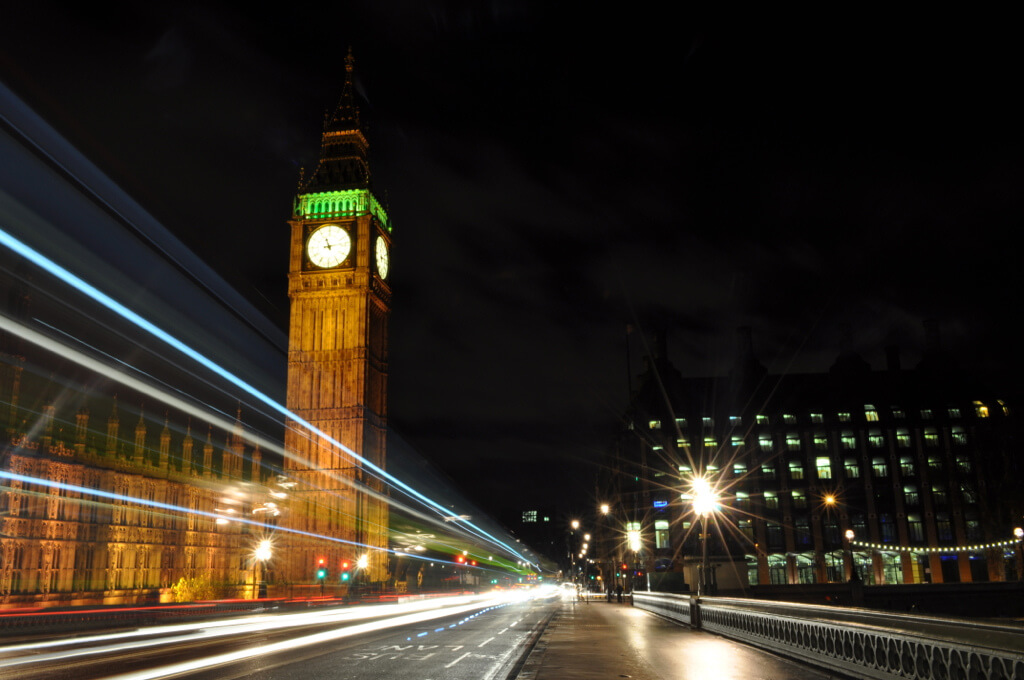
point(531, 665)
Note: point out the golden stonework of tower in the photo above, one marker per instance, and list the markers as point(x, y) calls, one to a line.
point(337, 358)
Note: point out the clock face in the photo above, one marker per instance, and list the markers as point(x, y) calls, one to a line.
point(328, 246)
point(381, 249)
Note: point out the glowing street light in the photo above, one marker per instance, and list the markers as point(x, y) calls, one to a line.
point(262, 553)
point(705, 502)
point(633, 539)
point(854, 576)
point(605, 508)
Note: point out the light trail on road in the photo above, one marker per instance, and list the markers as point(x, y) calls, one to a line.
point(353, 621)
point(70, 279)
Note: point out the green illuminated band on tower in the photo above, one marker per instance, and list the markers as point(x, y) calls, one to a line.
point(348, 203)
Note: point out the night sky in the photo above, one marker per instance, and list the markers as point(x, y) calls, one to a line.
point(557, 175)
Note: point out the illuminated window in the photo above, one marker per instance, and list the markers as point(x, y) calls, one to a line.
point(910, 495)
point(529, 515)
point(735, 421)
point(820, 442)
point(903, 439)
point(739, 469)
point(844, 416)
point(747, 528)
point(765, 442)
point(742, 499)
point(907, 466)
point(879, 467)
point(970, 496)
point(761, 420)
point(657, 447)
point(710, 443)
point(793, 441)
point(852, 468)
point(768, 470)
point(916, 528)
point(683, 441)
point(926, 414)
point(931, 436)
point(939, 495)
point(799, 499)
point(847, 440)
point(1006, 409)
point(655, 424)
point(934, 464)
point(661, 534)
point(681, 422)
point(870, 414)
point(980, 410)
point(710, 469)
point(954, 412)
point(685, 469)
point(708, 422)
point(875, 439)
point(796, 469)
point(963, 464)
point(817, 418)
point(737, 440)
point(789, 419)
point(958, 435)
point(824, 467)
point(771, 500)
point(897, 412)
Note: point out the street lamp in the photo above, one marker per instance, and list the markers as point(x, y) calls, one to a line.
point(854, 576)
point(1018, 533)
point(705, 502)
point(262, 553)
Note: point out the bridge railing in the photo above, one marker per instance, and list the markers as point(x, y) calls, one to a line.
point(856, 642)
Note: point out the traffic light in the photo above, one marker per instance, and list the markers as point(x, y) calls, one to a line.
point(321, 570)
point(345, 574)
point(460, 559)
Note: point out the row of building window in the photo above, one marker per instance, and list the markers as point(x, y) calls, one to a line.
point(910, 493)
point(851, 467)
point(847, 440)
point(870, 415)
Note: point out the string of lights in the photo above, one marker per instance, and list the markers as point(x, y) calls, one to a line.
point(947, 549)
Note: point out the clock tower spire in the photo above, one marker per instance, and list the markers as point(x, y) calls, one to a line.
point(337, 354)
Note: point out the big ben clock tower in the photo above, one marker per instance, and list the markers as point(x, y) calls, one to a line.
point(337, 357)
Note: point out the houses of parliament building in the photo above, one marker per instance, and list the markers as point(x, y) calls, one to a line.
point(109, 495)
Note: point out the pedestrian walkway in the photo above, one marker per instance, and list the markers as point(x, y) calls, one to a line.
point(609, 640)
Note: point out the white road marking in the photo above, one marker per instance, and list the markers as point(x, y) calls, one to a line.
point(485, 642)
point(457, 660)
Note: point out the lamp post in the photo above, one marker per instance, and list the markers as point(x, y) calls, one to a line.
point(854, 576)
point(705, 502)
point(1018, 533)
point(575, 524)
point(262, 553)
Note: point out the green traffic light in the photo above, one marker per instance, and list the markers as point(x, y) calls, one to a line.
point(322, 573)
point(345, 576)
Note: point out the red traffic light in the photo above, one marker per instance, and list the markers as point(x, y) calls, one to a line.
point(460, 559)
point(344, 565)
